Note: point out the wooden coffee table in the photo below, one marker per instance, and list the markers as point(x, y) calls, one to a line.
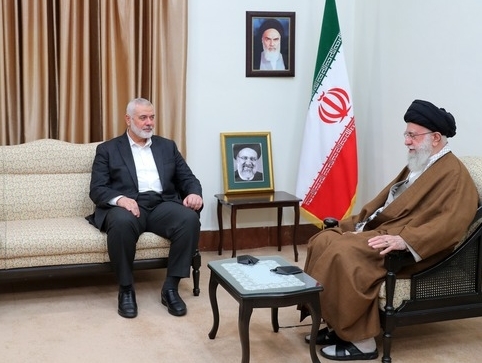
point(257, 287)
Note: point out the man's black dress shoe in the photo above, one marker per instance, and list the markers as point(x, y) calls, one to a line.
point(174, 303)
point(127, 304)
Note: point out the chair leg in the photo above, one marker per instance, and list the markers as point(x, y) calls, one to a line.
point(387, 346)
point(196, 265)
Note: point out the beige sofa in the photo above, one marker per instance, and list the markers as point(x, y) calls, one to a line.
point(44, 194)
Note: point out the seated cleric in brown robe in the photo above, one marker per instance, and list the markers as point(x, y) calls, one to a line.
point(425, 209)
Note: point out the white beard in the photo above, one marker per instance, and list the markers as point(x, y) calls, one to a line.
point(140, 132)
point(271, 56)
point(419, 160)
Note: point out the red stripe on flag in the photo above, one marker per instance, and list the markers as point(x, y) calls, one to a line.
point(333, 196)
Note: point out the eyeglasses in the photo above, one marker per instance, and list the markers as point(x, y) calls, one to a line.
point(246, 158)
point(413, 136)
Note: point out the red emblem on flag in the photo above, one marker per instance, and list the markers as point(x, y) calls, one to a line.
point(334, 105)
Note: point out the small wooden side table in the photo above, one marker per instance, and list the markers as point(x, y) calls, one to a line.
point(253, 201)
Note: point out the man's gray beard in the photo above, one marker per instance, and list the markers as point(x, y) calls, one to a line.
point(419, 160)
point(140, 132)
point(272, 56)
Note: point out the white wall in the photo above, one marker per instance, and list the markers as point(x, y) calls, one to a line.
point(395, 52)
point(413, 49)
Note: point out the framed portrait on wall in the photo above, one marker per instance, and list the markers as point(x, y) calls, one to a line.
point(247, 162)
point(270, 44)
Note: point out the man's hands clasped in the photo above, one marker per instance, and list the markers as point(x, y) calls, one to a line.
point(192, 201)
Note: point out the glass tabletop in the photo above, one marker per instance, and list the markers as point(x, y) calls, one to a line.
point(258, 279)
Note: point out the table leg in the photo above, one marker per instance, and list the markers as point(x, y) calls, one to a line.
point(213, 284)
point(314, 307)
point(196, 265)
point(295, 229)
point(280, 217)
point(220, 226)
point(274, 319)
point(233, 229)
point(245, 311)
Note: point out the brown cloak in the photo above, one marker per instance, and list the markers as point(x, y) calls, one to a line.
point(431, 216)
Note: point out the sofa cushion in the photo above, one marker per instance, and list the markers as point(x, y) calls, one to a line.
point(402, 292)
point(39, 196)
point(61, 241)
point(60, 156)
point(46, 179)
point(474, 166)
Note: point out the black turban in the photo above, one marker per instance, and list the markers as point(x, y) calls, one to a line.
point(428, 115)
point(271, 23)
point(238, 147)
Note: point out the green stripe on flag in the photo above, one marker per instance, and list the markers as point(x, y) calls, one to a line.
point(330, 43)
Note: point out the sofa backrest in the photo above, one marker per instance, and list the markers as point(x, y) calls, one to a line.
point(46, 178)
point(474, 166)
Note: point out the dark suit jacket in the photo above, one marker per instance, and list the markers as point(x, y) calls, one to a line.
point(114, 174)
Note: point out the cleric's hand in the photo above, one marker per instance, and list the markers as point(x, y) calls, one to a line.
point(387, 243)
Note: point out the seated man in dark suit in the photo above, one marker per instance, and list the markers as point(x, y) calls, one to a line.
point(140, 182)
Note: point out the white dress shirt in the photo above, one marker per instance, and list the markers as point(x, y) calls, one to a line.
point(146, 170)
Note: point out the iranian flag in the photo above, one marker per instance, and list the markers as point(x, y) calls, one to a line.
point(328, 172)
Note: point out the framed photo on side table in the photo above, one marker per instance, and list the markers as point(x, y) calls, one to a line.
point(270, 44)
point(247, 162)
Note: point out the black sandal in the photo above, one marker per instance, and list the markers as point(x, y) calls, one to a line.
point(355, 354)
point(324, 337)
